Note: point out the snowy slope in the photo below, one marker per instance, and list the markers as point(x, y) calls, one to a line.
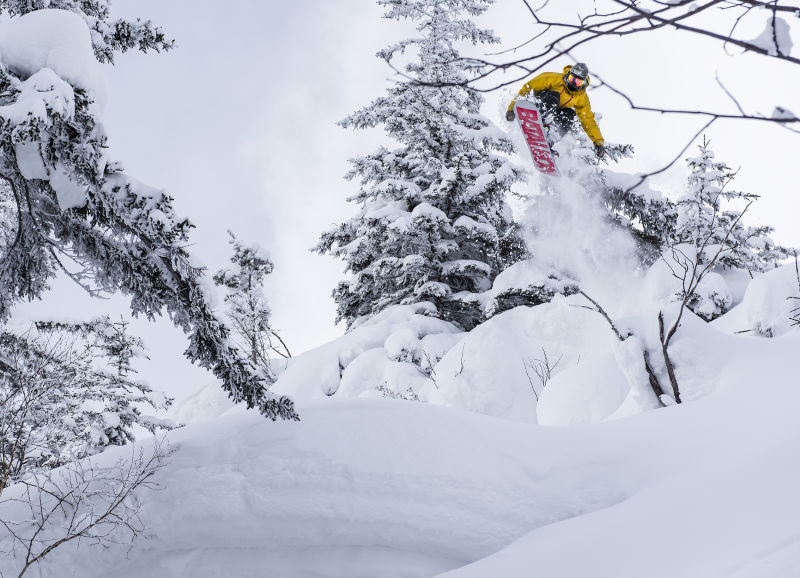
point(724, 504)
point(383, 488)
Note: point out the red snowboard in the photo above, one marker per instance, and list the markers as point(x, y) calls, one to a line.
point(530, 121)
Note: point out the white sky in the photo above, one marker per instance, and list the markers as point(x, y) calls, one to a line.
point(237, 123)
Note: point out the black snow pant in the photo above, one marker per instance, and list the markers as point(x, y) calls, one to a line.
point(548, 101)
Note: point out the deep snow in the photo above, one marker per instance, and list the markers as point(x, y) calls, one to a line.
point(386, 488)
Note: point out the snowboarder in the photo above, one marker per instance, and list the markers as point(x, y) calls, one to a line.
point(564, 96)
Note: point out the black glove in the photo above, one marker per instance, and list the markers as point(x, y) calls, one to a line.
point(511, 115)
point(600, 150)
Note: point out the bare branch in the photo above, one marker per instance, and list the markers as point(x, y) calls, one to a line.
point(94, 504)
point(655, 385)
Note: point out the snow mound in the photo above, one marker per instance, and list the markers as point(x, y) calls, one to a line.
point(588, 392)
point(724, 454)
point(58, 40)
point(719, 291)
point(492, 370)
point(767, 308)
point(390, 354)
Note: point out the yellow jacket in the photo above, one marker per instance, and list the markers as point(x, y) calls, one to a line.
point(578, 101)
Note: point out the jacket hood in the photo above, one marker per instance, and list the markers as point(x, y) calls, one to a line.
point(566, 68)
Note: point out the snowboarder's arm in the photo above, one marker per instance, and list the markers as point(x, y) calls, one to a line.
point(537, 84)
point(586, 116)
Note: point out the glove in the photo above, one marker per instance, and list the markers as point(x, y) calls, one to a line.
point(600, 150)
point(511, 115)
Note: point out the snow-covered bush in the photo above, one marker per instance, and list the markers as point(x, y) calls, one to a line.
point(769, 305)
point(392, 354)
point(706, 247)
point(493, 369)
point(66, 392)
point(705, 231)
point(526, 283)
point(83, 502)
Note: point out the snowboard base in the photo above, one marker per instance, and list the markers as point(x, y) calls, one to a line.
point(530, 122)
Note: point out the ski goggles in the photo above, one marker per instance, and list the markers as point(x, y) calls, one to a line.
point(576, 80)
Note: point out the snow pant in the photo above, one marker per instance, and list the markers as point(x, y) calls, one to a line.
point(548, 101)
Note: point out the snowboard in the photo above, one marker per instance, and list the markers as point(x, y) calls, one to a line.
point(530, 121)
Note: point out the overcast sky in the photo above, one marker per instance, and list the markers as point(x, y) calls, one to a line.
point(238, 124)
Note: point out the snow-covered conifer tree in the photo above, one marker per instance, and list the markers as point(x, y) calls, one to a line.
point(433, 225)
point(120, 347)
point(76, 211)
point(705, 224)
point(704, 231)
point(247, 306)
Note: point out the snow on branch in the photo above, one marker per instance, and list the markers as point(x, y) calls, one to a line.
point(108, 36)
point(78, 212)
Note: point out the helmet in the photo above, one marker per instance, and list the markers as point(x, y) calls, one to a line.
point(578, 77)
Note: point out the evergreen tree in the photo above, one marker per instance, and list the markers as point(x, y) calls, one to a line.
point(703, 222)
point(120, 347)
point(433, 224)
point(76, 211)
point(247, 306)
point(108, 36)
point(703, 230)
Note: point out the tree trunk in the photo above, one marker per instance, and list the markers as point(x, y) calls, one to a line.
point(667, 361)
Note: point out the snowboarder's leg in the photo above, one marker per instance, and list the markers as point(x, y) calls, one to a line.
point(565, 119)
point(560, 120)
point(547, 102)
